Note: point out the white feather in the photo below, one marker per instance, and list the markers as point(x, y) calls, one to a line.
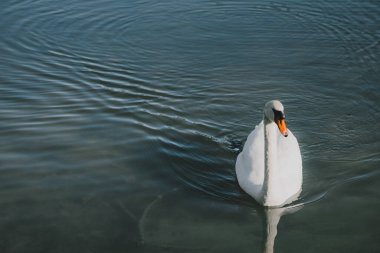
point(284, 170)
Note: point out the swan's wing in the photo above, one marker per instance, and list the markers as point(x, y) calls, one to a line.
point(289, 154)
point(290, 164)
point(250, 162)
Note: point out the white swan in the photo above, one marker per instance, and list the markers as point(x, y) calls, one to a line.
point(270, 166)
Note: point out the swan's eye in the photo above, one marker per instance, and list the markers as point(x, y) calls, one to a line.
point(278, 114)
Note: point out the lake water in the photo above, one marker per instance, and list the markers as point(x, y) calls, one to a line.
point(121, 122)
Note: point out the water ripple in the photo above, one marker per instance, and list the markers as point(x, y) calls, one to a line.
point(197, 88)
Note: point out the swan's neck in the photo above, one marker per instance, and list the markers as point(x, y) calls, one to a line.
point(270, 159)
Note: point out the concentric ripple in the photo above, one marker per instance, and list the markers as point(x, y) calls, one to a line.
point(187, 84)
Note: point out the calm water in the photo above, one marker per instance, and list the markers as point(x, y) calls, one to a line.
point(121, 122)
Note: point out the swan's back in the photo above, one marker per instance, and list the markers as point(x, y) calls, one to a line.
point(287, 172)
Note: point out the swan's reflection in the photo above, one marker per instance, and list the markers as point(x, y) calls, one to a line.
point(272, 218)
point(183, 220)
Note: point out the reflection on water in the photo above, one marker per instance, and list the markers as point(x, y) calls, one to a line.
point(184, 221)
point(272, 218)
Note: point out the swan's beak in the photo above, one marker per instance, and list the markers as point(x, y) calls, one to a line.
point(282, 127)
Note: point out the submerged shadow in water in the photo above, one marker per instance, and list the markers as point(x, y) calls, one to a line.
point(182, 220)
point(272, 219)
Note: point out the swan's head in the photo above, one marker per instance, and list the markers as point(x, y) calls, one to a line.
point(274, 112)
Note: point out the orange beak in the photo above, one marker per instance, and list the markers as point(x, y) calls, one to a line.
point(282, 127)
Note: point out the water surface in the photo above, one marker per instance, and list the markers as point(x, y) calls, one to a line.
point(121, 122)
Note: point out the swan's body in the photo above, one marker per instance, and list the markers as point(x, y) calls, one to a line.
point(270, 166)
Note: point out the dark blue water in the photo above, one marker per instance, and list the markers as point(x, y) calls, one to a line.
point(121, 122)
